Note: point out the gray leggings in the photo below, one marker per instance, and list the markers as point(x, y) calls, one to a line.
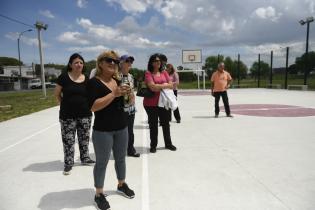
point(103, 143)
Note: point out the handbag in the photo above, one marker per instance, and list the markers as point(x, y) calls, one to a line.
point(145, 92)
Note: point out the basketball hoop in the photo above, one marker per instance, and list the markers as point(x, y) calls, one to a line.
point(191, 58)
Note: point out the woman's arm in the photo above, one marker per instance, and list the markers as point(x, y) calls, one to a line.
point(57, 93)
point(158, 87)
point(104, 101)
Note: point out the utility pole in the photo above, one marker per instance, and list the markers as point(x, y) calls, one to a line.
point(302, 22)
point(40, 26)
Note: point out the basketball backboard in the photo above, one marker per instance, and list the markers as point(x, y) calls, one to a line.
point(191, 56)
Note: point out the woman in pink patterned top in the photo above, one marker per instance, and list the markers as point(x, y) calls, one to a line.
point(157, 79)
point(175, 79)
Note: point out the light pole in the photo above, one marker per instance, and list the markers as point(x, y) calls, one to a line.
point(20, 75)
point(40, 26)
point(302, 22)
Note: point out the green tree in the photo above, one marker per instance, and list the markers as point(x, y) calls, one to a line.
point(264, 69)
point(229, 66)
point(6, 61)
point(243, 70)
point(89, 66)
point(138, 75)
point(56, 66)
point(187, 76)
point(301, 61)
point(211, 65)
point(293, 69)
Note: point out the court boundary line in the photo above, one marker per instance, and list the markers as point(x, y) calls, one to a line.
point(27, 138)
point(145, 171)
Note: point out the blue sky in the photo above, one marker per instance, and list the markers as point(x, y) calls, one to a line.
point(143, 27)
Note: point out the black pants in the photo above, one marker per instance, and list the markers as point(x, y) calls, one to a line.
point(131, 136)
point(154, 115)
point(225, 102)
point(176, 111)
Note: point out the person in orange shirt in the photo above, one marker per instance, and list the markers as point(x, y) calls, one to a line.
point(220, 82)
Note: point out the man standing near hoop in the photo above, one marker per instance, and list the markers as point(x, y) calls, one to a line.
point(220, 82)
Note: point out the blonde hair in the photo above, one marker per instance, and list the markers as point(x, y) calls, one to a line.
point(107, 54)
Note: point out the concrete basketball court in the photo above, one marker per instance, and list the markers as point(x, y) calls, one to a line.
point(262, 159)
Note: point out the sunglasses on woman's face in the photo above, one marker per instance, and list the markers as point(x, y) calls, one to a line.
point(110, 60)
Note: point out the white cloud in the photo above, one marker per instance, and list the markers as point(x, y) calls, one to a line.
point(98, 31)
point(95, 49)
point(26, 40)
point(263, 49)
point(82, 3)
point(73, 38)
point(46, 13)
point(311, 5)
point(103, 33)
point(267, 13)
point(228, 26)
point(129, 25)
point(200, 9)
point(173, 9)
point(142, 42)
point(132, 6)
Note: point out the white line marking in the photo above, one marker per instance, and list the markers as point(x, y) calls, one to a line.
point(145, 171)
point(28, 137)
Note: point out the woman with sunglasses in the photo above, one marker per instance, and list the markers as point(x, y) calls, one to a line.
point(74, 114)
point(157, 79)
point(129, 107)
point(110, 132)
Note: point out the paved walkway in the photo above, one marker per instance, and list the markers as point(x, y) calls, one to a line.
point(249, 162)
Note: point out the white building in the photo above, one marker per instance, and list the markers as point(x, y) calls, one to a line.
point(9, 76)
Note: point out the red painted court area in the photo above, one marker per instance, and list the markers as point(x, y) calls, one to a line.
point(271, 110)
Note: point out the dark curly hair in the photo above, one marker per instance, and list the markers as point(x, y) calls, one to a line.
point(163, 58)
point(72, 57)
point(151, 60)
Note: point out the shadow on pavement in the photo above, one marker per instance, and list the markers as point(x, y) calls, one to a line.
point(141, 127)
point(52, 166)
point(72, 199)
point(143, 150)
point(202, 117)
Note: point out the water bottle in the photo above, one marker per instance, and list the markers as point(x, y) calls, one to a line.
point(125, 81)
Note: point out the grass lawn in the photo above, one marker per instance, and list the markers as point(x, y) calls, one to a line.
point(24, 102)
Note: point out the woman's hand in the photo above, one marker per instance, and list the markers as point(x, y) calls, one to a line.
point(167, 86)
point(121, 90)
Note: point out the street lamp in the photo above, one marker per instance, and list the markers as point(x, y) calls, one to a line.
point(40, 26)
point(307, 21)
point(20, 75)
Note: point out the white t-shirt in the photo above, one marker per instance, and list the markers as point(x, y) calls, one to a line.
point(92, 73)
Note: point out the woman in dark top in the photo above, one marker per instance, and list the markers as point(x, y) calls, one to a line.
point(74, 114)
point(110, 125)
